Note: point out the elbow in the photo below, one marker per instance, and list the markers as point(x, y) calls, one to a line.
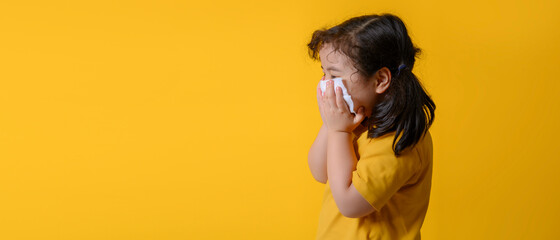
point(349, 214)
point(356, 209)
point(318, 176)
point(352, 214)
point(323, 181)
point(345, 209)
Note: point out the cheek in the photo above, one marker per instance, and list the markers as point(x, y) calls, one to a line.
point(355, 92)
point(363, 98)
point(357, 99)
point(360, 95)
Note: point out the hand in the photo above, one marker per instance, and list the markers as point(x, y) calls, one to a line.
point(337, 115)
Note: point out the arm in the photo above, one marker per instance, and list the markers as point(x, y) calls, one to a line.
point(341, 162)
point(317, 156)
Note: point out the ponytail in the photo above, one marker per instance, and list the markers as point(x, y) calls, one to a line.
point(406, 108)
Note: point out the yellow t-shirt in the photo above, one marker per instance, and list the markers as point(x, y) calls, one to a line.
point(399, 187)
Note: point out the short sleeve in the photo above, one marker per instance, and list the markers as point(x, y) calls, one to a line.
point(379, 173)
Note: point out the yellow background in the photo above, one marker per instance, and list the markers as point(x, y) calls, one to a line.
point(192, 120)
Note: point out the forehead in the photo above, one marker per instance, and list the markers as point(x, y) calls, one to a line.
point(329, 57)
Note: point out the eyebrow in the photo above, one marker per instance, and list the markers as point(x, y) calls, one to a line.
point(333, 68)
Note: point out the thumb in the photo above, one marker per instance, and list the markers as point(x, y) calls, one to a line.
point(359, 115)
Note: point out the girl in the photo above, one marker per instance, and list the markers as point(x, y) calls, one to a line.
point(378, 161)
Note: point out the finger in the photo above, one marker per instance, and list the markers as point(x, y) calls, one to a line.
point(360, 115)
point(340, 100)
point(330, 97)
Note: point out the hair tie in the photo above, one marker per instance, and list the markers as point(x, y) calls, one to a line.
point(400, 68)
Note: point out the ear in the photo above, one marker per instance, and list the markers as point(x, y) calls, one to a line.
point(382, 80)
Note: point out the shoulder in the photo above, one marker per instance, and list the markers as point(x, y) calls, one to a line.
point(424, 148)
point(380, 149)
point(384, 144)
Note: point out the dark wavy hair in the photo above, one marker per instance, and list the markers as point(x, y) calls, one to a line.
point(372, 42)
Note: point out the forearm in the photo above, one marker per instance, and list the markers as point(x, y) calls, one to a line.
point(341, 162)
point(317, 156)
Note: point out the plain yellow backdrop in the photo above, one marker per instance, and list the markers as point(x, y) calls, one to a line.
point(192, 119)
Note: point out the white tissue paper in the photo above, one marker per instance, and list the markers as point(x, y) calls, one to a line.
point(338, 83)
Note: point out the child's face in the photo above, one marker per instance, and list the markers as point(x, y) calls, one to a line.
point(336, 64)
